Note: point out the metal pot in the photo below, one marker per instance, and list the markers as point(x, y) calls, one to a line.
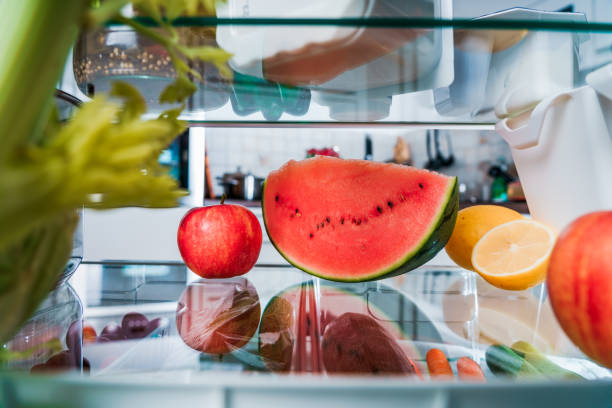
point(241, 186)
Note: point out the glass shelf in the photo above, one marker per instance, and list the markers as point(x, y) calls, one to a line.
point(384, 70)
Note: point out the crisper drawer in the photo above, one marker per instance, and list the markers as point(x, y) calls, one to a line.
point(264, 356)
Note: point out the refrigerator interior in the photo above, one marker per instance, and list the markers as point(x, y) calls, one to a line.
point(130, 324)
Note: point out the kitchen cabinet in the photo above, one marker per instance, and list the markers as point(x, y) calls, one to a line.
point(444, 73)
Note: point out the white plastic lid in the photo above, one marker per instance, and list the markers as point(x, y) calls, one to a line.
point(601, 80)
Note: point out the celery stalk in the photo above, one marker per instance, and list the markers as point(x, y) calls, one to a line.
point(30, 268)
point(35, 41)
point(104, 157)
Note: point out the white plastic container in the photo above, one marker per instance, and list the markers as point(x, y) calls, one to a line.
point(334, 57)
point(563, 155)
point(506, 71)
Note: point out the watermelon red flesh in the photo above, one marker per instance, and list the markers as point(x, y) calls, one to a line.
point(355, 220)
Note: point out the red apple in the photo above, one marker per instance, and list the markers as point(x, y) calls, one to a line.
point(580, 284)
point(218, 316)
point(219, 241)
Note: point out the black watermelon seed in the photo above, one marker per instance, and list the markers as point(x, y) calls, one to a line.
point(322, 225)
point(276, 198)
point(297, 211)
point(379, 209)
point(420, 185)
point(327, 219)
point(390, 204)
point(342, 220)
point(311, 235)
point(359, 221)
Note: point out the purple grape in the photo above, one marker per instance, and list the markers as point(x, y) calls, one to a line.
point(62, 361)
point(111, 332)
point(135, 325)
point(74, 336)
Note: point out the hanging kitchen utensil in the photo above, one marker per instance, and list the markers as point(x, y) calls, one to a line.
point(435, 158)
point(369, 155)
point(241, 186)
point(209, 191)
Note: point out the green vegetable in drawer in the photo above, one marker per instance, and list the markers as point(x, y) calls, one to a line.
point(541, 363)
point(503, 361)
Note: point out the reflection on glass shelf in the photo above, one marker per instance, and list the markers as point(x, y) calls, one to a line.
point(464, 72)
point(280, 320)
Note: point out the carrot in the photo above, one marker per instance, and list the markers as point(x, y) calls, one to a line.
point(468, 369)
point(415, 368)
point(438, 364)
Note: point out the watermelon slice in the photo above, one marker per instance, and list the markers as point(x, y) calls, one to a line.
point(357, 220)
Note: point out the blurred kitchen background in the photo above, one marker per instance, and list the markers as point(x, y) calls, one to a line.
point(467, 154)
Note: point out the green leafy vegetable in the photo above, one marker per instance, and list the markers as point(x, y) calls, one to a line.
point(29, 268)
point(164, 12)
point(106, 156)
point(541, 363)
point(36, 38)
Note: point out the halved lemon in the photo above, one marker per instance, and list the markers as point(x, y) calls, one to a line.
point(514, 255)
point(472, 223)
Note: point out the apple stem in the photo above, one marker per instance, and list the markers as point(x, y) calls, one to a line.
point(223, 197)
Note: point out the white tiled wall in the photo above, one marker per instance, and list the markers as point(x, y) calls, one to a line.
point(263, 150)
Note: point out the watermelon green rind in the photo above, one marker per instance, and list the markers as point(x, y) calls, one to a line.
point(438, 235)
